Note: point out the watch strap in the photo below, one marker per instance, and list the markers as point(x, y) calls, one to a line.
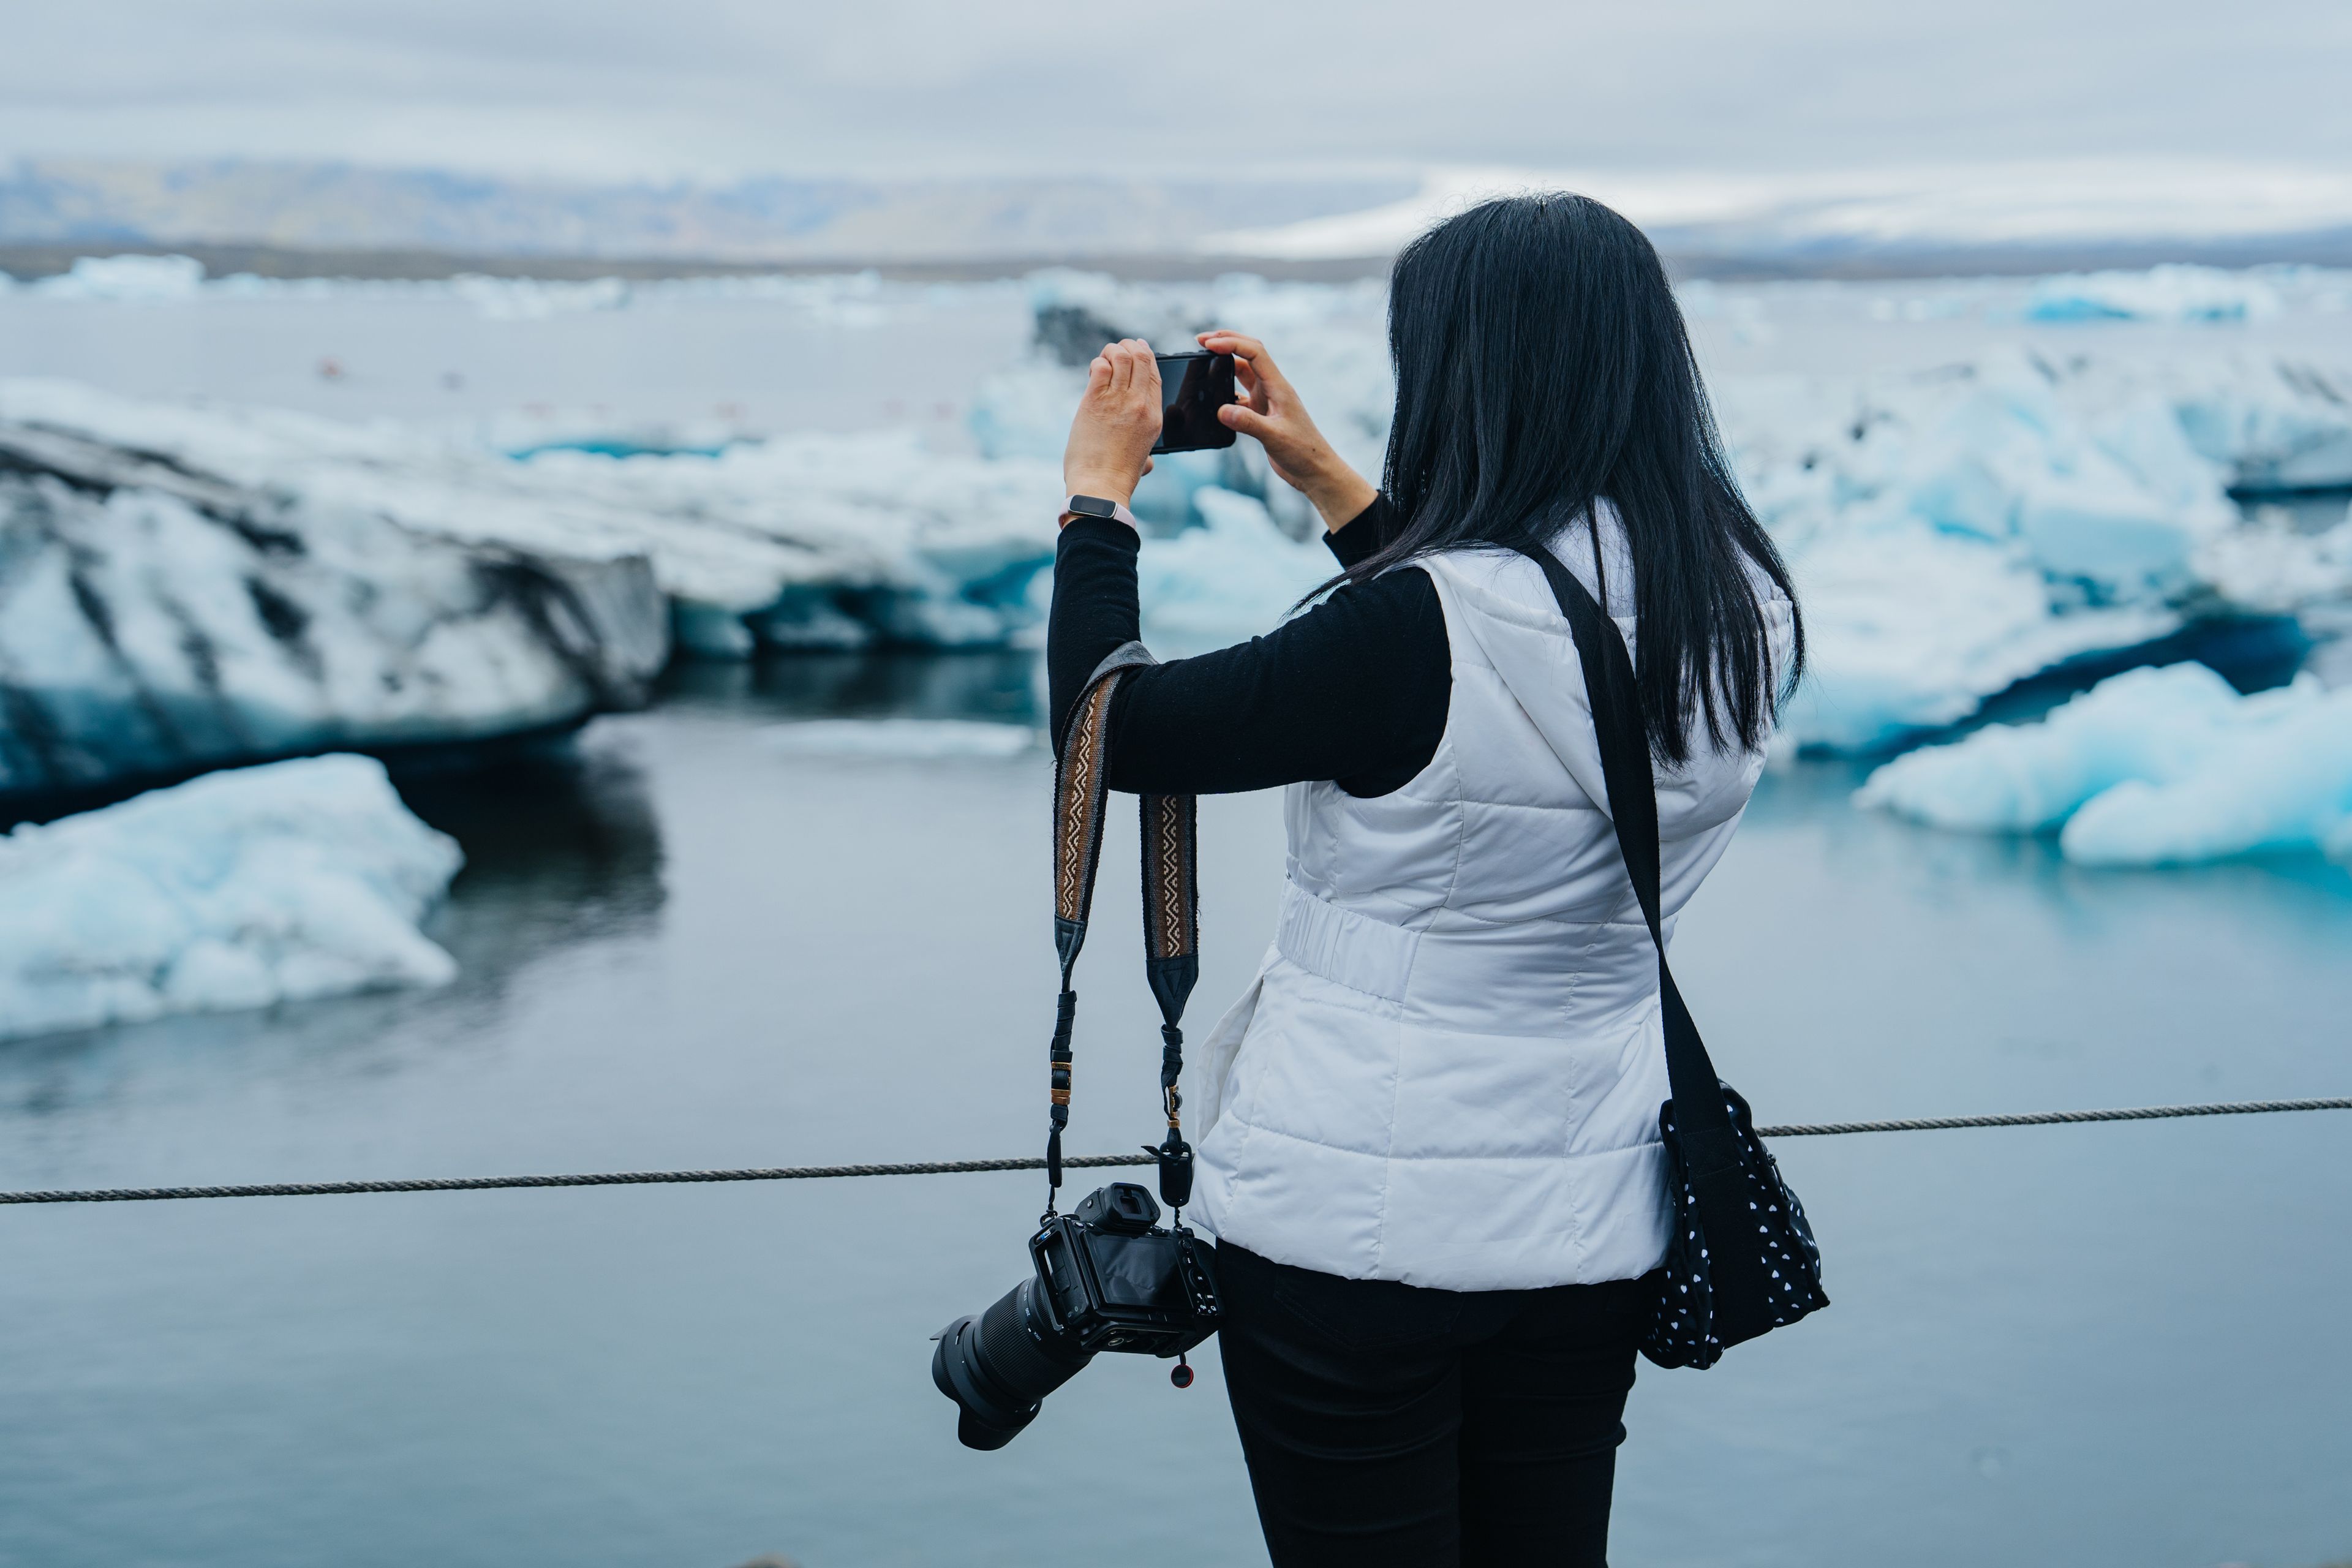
point(1099, 506)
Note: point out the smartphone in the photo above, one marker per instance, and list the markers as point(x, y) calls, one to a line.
point(1193, 387)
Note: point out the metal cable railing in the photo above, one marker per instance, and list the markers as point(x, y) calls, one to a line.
point(1085, 1161)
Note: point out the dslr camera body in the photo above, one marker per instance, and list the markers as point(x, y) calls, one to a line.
point(1108, 1277)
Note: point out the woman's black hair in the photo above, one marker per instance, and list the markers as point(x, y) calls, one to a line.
point(1542, 363)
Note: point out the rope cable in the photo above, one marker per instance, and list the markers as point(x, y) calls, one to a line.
point(1085, 1161)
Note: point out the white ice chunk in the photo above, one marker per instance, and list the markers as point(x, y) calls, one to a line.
point(2148, 767)
point(155, 619)
point(818, 539)
point(1908, 628)
point(537, 299)
point(1234, 578)
point(119, 279)
point(238, 889)
point(2172, 292)
point(2268, 565)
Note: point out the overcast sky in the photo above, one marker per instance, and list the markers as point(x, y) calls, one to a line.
point(720, 88)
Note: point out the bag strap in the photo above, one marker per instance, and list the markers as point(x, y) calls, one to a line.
point(1171, 914)
point(1702, 1121)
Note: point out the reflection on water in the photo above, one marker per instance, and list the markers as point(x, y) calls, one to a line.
point(682, 946)
point(562, 848)
point(998, 685)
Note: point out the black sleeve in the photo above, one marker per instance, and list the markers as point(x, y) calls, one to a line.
point(1355, 689)
point(1372, 529)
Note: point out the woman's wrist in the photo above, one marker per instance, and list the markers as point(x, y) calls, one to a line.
point(1340, 497)
point(1110, 487)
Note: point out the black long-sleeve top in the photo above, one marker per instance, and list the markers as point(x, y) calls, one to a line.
point(1354, 691)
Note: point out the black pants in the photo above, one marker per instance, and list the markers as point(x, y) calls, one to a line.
point(1388, 1424)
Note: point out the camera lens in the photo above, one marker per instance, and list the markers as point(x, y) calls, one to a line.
point(998, 1366)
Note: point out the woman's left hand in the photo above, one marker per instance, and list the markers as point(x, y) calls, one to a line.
point(1117, 423)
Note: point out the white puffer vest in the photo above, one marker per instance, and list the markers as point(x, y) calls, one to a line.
point(1449, 1068)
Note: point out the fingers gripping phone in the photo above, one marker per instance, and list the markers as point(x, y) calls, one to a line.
point(1193, 387)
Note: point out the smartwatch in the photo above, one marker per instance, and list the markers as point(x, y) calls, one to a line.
point(1096, 506)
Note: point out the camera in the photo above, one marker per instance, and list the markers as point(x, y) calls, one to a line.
point(1108, 1277)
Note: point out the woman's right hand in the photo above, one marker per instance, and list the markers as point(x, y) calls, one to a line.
point(1269, 409)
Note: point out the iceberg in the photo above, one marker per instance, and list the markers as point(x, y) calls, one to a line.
point(157, 619)
point(1331, 340)
point(240, 889)
point(801, 540)
point(116, 280)
point(1909, 629)
point(1953, 530)
point(2174, 291)
point(2279, 427)
point(1236, 575)
point(2153, 766)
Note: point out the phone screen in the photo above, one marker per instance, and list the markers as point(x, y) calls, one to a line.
point(1193, 387)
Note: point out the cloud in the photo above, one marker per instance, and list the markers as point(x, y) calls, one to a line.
point(729, 87)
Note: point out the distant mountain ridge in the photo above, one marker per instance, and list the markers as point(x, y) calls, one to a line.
point(337, 207)
point(341, 220)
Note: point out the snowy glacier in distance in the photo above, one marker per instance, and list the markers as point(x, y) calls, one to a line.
point(2149, 767)
point(239, 890)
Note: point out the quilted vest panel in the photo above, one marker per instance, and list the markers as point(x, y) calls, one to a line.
point(1449, 1068)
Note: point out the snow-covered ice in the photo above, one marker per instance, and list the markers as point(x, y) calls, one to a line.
point(1952, 530)
point(1235, 577)
point(156, 618)
point(239, 890)
point(116, 280)
point(2172, 292)
point(805, 540)
point(2149, 767)
point(1909, 629)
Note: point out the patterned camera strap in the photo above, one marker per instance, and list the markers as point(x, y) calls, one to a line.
point(1171, 913)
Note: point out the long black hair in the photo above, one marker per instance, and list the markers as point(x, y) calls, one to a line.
point(1542, 363)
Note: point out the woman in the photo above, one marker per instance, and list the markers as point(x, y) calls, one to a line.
point(1431, 1151)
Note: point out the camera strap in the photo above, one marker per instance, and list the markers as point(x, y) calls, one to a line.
point(1171, 914)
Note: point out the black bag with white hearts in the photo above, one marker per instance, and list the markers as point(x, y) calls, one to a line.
point(1741, 1260)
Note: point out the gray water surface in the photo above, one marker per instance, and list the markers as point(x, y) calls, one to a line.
point(683, 947)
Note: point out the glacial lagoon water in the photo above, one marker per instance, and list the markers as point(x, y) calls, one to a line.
point(687, 943)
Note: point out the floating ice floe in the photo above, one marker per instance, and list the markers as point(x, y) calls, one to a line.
point(119, 279)
point(1951, 531)
point(2149, 767)
point(2172, 292)
point(1330, 341)
point(157, 618)
point(238, 889)
point(2276, 427)
point(802, 541)
point(833, 299)
point(1236, 575)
